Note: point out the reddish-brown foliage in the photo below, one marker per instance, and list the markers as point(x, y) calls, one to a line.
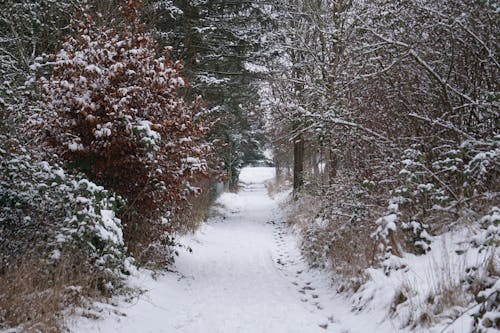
point(116, 112)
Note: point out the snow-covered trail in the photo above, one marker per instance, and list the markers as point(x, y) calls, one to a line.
point(245, 275)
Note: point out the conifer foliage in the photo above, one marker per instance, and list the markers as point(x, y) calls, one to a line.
point(118, 114)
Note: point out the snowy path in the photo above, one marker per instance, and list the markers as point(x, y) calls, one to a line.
point(245, 275)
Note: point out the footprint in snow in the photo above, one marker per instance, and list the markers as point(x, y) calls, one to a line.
point(280, 262)
point(318, 306)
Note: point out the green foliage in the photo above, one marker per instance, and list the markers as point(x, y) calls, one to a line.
point(218, 41)
point(47, 211)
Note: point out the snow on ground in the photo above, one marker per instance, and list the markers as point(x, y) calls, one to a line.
point(245, 275)
point(257, 175)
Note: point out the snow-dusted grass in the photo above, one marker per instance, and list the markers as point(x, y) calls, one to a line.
point(429, 291)
point(34, 297)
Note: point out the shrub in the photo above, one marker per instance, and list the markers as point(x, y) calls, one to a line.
point(45, 211)
point(36, 298)
point(116, 112)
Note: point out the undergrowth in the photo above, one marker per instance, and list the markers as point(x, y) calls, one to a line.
point(37, 296)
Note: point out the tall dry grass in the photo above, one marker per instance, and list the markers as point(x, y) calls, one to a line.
point(36, 296)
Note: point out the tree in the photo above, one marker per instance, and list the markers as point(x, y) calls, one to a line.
point(312, 37)
point(28, 29)
point(116, 111)
point(399, 101)
point(221, 42)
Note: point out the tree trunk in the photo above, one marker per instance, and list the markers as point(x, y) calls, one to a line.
point(277, 166)
point(315, 162)
point(298, 164)
point(332, 162)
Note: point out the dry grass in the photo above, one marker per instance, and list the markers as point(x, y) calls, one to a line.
point(416, 310)
point(334, 241)
point(445, 296)
point(352, 252)
point(278, 185)
point(36, 296)
point(400, 297)
point(444, 301)
point(195, 212)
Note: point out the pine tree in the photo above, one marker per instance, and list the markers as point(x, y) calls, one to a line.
point(221, 44)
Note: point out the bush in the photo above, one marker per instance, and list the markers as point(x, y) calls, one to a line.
point(116, 112)
point(60, 242)
point(45, 211)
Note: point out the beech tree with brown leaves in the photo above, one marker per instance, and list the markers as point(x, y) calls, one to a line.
point(116, 111)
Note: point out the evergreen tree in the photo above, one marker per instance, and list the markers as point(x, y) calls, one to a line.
point(221, 44)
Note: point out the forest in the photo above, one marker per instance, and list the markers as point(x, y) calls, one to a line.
point(122, 121)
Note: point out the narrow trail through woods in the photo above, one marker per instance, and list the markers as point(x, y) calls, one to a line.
point(245, 275)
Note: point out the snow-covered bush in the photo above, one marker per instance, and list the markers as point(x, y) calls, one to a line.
point(60, 242)
point(487, 317)
point(453, 185)
point(48, 212)
point(489, 234)
point(336, 231)
point(116, 111)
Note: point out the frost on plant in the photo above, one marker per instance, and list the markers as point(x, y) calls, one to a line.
point(117, 112)
point(50, 212)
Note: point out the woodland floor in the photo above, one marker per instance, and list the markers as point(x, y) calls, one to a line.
point(245, 275)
